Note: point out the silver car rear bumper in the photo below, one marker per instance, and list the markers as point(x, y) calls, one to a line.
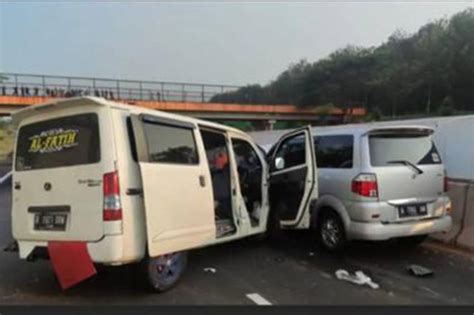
point(379, 231)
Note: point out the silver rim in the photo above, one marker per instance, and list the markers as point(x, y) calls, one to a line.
point(330, 233)
point(166, 269)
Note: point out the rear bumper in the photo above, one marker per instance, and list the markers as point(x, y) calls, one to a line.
point(108, 250)
point(379, 231)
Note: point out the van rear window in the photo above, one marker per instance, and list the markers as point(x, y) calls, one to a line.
point(59, 142)
point(388, 149)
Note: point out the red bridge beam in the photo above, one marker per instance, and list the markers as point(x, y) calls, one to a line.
point(22, 101)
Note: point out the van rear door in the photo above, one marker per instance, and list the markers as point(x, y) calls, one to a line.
point(176, 184)
point(407, 166)
point(57, 179)
point(293, 178)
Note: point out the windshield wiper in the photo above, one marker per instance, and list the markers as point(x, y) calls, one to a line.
point(408, 163)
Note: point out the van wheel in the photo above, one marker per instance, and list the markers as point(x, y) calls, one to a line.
point(330, 231)
point(164, 271)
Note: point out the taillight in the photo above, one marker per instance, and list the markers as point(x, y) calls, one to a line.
point(112, 204)
point(445, 182)
point(365, 185)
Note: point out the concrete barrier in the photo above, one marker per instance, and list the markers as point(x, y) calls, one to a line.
point(457, 192)
point(466, 237)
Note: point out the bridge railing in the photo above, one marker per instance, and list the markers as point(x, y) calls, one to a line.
point(16, 84)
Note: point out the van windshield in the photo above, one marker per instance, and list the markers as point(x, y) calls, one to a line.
point(59, 142)
point(395, 149)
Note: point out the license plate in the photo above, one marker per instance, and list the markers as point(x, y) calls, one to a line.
point(412, 211)
point(50, 222)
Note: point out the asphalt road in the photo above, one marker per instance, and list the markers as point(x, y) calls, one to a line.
point(291, 272)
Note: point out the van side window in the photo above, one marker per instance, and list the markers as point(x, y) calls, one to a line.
point(170, 144)
point(293, 151)
point(334, 151)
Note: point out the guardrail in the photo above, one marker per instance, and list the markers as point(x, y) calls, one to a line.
point(16, 84)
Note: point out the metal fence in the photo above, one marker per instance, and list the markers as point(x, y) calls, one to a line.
point(15, 84)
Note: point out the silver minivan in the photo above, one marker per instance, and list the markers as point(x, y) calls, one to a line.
point(376, 183)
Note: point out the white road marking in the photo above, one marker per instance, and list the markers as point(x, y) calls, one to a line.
point(4, 178)
point(434, 293)
point(258, 299)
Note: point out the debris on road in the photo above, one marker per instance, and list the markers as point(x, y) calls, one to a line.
point(359, 278)
point(419, 271)
point(211, 270)
point(12, 247)
point(311, 253)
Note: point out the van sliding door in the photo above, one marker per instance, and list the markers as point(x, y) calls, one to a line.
point(176, 186)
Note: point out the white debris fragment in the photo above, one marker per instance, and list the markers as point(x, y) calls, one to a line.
point(311, 253)
point(359, 278)
point(211, 270)
point(258, 299)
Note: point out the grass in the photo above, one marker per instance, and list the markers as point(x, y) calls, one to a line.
point(7, 136)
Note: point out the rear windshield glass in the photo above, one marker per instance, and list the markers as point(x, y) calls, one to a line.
point(65, 141)
point(389, 150)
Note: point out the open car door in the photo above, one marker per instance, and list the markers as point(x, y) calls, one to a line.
point(293, 178)
point(176, 183)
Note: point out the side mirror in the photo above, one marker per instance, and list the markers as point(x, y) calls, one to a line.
point(279, 163)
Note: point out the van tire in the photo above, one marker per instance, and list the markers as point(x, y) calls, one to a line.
point(330, 231)
point(165, 271)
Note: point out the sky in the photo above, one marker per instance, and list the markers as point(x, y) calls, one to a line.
point(235, 43)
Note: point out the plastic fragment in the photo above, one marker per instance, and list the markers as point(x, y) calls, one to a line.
point(358, 278)
point(419, 271)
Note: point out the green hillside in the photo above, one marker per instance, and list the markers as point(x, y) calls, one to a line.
point(6, 141)
point(428, 72)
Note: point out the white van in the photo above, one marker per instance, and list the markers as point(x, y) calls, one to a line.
point(139, 185)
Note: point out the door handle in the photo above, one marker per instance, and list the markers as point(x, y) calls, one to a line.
point(17, 186)
point(134, 191)
point(202, 180)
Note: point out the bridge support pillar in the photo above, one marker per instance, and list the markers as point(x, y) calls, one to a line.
point(264, 124)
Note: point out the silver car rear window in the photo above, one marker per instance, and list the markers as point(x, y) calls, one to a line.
point(416, 149)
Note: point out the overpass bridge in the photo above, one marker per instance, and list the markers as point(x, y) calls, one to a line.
point(20, 90)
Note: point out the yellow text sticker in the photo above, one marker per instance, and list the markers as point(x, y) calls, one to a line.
point(53, 140)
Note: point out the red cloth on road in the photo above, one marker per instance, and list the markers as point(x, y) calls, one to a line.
point(71, 262)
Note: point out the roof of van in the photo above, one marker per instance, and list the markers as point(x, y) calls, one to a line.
point(266, 138)
point(24, 113)
point(364, 128)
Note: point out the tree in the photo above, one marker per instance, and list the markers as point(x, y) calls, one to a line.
point(408, 74)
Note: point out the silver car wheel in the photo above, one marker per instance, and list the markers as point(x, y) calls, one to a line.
point(330, 233)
